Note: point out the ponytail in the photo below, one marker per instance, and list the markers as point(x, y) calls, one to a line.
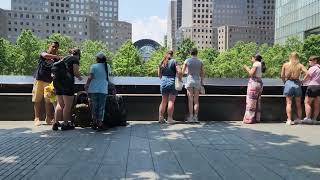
point(107, 70)
point(166, 58)
point(263, 67)
point(259, 58)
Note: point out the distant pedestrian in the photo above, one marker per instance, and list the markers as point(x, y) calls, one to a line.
point(291, 73)
point(254, 90)
point(63, 82)
point(167, 71)
point(43, 79)
point(97, 87)
point(313, 91)
point(195, 76)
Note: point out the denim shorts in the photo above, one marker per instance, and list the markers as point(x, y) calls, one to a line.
point(292, 88)
point(194, 83)
point(167, 86)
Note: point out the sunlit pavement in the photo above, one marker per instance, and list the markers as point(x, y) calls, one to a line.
point(147, 150)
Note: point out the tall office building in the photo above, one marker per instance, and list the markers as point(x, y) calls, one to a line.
point(174, 22)
point(197, 22)
point(222, 23)
point(296, 18)
point(3, 23)
point(79, 19)
point(243, 20)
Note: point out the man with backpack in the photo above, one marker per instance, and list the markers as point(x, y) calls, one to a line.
point(42, 79)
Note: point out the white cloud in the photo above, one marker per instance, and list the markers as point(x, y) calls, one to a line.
point(153, 27)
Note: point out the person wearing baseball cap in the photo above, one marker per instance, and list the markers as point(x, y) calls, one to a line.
point(97, 87)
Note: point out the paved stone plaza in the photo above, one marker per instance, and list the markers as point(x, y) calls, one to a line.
point(147, 150)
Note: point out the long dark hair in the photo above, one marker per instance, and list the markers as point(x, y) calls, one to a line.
point(103, 59)
point(75, 52)
point(166, 58)
point(259, 58)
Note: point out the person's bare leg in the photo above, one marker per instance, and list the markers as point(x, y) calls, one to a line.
point(68, 102)
point(59, 110)
point(316, 108)
point(190, 101)
point(37, 113)
point(289, 108)
point(49, 112)
point(196, 104)
point(162, 108)
point(299, 107)
point(308, 108)
point(172, 99)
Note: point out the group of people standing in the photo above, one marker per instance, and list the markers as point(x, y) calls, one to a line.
point(169, 71)
point(64, 88)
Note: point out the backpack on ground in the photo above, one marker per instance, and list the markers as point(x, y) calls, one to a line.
point(116, 111)
point(81, 111)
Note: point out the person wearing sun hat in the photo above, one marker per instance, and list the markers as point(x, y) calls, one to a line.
point(97, 87)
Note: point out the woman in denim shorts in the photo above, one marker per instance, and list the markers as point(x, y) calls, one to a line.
point(290, 74)
point(194, 68)
point(167, 71)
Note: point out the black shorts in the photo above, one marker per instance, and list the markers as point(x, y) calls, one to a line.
point(65, 91)
point(313, 91)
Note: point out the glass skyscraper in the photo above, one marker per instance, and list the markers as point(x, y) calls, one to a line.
point(296, 18)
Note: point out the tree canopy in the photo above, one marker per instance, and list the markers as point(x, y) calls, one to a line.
point(21, 57)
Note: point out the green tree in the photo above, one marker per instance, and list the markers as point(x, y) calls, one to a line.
point(151, 66)
point(294, 44)
point(274, 57)
point(88, 51)
point(28, 46)
point(3, 59)
point(230, 62)
point(65, 42)
point(183, 50)
point(311, 46)
point(208, 56)
point(127, 61)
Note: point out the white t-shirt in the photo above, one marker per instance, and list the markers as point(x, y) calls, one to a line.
point(259, 69)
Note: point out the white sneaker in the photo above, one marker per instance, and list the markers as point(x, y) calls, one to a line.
point(171, 121)
point(37, 122)
point(190, 119)
point(289, 122)
point(307, 121)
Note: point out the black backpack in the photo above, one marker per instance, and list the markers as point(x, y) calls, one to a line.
point(61, 76)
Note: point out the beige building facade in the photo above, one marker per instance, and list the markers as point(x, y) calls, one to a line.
point(79, 19)
point(197, 22)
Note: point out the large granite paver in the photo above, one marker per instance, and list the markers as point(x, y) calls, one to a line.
point(148, 150)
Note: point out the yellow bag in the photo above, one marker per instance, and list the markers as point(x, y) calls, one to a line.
point(49, 93)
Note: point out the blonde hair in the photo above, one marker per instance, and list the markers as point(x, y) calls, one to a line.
point(294, 68)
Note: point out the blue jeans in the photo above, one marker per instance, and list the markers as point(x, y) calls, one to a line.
point(98, 105)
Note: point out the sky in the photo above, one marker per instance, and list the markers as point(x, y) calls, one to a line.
point(148, 17)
